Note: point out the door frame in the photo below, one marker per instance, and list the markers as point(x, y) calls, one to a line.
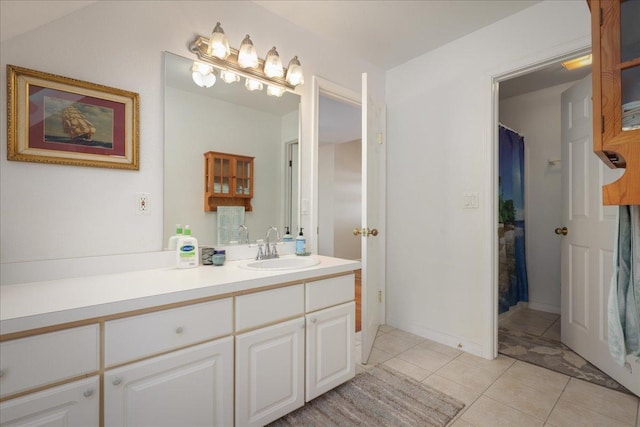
point(527, 65)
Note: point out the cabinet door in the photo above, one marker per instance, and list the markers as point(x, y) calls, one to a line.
point(73, 404)
point(190, 387)
point(330, 349)
point(269, 373)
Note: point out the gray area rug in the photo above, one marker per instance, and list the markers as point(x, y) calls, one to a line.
point(378, 397)
point(552, 354)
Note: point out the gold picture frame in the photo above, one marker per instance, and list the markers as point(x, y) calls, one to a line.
point(60, 120)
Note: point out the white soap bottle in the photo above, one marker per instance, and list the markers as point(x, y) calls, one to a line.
point(173, 240)
point(187, 250)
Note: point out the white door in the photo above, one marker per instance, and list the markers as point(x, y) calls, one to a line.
point(330, 348)
point(68, 405)
point(373, 199)
point(269, 372)
point(587, 248)
point(190, 387)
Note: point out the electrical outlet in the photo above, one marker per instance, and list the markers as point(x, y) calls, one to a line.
point(143, 203)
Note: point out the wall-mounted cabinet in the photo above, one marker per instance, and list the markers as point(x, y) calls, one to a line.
point(228, 180)
point(616, 94)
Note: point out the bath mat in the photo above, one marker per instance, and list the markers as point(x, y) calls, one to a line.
point(380, 396)
point(552, 354)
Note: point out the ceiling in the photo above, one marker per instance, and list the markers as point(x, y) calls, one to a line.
point(385, 33)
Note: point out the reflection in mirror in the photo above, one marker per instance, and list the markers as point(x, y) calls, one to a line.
point(230, 119)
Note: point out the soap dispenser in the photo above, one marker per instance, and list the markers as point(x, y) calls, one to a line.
point(187, 250)
point(173, 240)
point(287, 235)
point(301, 244)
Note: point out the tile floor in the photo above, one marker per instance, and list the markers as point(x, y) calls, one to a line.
point(534, 322)
point(503, 391)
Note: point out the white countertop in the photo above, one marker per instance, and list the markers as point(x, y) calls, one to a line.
point(39, 304)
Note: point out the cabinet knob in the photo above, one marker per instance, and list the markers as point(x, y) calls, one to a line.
point(88, 393)
point(179, 330)
point(117, 381)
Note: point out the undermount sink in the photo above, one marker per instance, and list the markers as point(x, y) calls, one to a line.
point(281, 263)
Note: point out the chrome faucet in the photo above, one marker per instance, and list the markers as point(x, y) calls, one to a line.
point(243, 229)
point(270, 250)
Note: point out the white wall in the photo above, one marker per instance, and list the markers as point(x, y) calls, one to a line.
point(51, 212)
point(536, 116)
point(228, 128)
point(340, 199)
point(440, 257)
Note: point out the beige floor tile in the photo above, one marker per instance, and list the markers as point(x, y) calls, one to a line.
point(638, 415)
point(425, 358)
point(459, 422)
point(453, 389)
point(360, 369)
point(536, 377)
point(407, 336)
point(533, 326)
point(607, 402)
point(567, 414)
point(522, 397)
point(497, 365)
point(476, 378)
point(392, 344)
point(486, 412)
point(377, 356)
point(554, 331)
point(440, 348)
point(386, 328)
point(407, 368)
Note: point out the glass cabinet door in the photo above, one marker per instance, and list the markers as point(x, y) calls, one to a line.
point(243, 177)
point(629, 64)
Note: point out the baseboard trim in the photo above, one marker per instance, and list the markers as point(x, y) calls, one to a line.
point(545, 307)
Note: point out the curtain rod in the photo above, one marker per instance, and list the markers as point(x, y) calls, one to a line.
point(512, 130)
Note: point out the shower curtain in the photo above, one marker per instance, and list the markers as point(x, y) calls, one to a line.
point(513, 286)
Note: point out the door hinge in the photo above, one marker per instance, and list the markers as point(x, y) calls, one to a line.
point(290, 163)
point(379, 296)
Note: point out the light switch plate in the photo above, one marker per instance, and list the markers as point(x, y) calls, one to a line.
point(471, 200)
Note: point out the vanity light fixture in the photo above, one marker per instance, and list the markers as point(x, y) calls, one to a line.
point(247, 56)
point(202, 74)
point(219, 44)
point(580, 62)
point(273, 64)
point(245, 63)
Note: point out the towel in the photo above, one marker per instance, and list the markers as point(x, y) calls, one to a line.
point(624, 295)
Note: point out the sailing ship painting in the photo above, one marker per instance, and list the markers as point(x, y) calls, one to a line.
point(76, 123)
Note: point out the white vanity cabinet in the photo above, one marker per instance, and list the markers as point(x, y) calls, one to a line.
point(269, 359)
point(188, 387)
point(330, 341)
point(74, 404)
point(188, 383)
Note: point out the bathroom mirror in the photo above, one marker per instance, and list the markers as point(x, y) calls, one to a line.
point(227, 118)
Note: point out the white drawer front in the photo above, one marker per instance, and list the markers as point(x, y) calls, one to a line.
point(330, 292)
point(46, 358)
point(136, 337)
point(266, 307)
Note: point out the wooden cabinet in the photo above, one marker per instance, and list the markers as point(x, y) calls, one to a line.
point(189, 387)
point(616, 94)
point(228, 180)
point(75, 404)
point(269, 372)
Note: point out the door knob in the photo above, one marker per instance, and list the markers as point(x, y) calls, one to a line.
point(564, 231)
point(365, 232)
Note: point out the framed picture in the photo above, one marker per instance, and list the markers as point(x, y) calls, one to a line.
point(55, 119)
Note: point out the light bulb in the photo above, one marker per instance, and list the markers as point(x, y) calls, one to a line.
point(273, 64)
point(247, 56)
point(294, 72)
point(275, 91)
point(229, 77)
point(202, 74)
point(219, 44)
point(252, 85)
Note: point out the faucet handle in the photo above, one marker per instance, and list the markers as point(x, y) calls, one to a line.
point(260, 254)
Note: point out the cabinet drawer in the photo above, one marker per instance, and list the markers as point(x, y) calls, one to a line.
point(147, 334)
point(46, 358)
point(266, 307)
point(329, 292)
